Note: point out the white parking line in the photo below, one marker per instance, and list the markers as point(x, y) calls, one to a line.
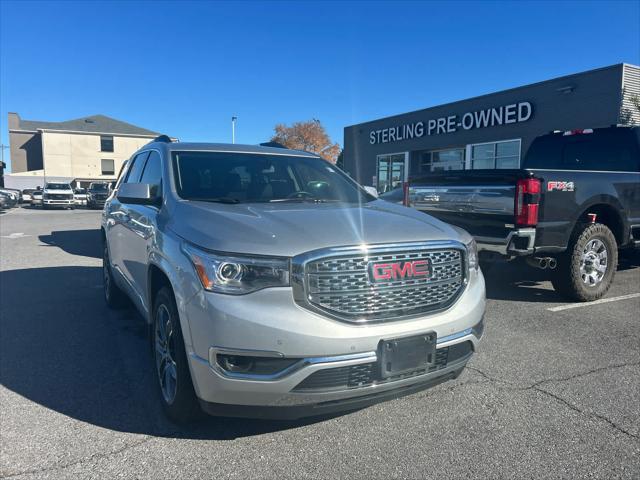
point(13, 236)
point(597, 302)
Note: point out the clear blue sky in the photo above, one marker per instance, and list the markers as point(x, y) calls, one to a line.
point(184, 68)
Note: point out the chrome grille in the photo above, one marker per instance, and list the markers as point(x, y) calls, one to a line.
point(59, 196)
point(340, 285)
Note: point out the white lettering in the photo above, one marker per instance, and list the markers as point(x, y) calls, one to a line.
point(496, 116)
point(524, 111)
point(451, 124)
point(510, 113)
point(516, 112)
point(432, 126)
point(482, 118)
point(409, 128)
point(467, 121)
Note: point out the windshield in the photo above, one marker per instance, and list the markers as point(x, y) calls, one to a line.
point(58, 186)
point(100, 187)
point(246, 178)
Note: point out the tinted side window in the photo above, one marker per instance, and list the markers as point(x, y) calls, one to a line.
point(607, 150)
point(152, 173)
point(597, 155)
point(133, 176)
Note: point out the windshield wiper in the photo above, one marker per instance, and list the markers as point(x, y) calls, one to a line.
point(217, 200)
point(302, 199)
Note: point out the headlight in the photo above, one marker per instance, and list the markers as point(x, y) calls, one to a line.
point(237, 275)
point(472, 254)
point(45, 195)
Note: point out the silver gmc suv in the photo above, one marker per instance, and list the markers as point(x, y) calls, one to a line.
point(275, 286)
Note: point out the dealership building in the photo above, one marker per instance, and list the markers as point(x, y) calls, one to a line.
point(490, 131)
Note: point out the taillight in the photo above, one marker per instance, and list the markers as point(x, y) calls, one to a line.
point(526, 204)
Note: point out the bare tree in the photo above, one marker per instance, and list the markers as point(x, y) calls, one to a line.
point(309, 136)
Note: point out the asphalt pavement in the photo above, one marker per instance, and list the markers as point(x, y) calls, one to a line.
point(551, 394)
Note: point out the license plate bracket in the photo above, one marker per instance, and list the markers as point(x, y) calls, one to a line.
point(402, 355)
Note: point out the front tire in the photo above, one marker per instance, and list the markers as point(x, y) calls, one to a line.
point(586, 270)
point(174, 378)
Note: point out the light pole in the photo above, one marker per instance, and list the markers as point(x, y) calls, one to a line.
point(2, 149)
point(2, 164)
point(233, 129)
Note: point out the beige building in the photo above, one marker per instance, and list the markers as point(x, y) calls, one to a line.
point(80, 151)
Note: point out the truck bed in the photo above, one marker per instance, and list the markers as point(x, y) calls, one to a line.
point(480, 201)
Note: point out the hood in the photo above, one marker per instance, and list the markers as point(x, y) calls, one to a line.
point(288, 229)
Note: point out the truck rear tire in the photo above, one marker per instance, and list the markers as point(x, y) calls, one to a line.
point(585, 271)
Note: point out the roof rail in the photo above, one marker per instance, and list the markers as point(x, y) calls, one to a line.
point(163, 139)
point(273, 144)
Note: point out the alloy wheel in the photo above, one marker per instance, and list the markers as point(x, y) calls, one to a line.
point(593, 262)
point(164, 341)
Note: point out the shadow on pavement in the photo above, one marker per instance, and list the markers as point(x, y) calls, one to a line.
point(63, 349)
point(517, 281)
point(85, 243)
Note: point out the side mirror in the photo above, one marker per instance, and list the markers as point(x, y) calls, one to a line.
point(138, 193)
point(372, 191)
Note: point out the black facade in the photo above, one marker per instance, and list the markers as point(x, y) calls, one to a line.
point(490, 131)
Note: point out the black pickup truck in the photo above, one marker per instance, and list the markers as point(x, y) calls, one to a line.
point(574, 203)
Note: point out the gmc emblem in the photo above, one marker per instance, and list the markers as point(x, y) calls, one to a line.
point(388, 272)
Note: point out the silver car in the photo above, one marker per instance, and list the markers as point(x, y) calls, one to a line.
point(275, 286)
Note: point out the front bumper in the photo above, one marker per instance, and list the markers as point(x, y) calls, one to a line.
point(69, 202)
point(270, 322)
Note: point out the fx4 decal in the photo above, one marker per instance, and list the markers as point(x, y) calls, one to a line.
point(560, 186)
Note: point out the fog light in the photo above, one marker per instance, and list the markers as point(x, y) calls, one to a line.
point(234, 363)
point(255, 366)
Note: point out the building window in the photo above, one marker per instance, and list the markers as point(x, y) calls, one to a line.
point(106, 143)
point(391, 171)
point(442, 160)
point(108, 167)
point(495, 155)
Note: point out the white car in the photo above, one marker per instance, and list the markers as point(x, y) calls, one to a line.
point(36, 198)
point(80, 196)
point(26, 195)
point(58, 195)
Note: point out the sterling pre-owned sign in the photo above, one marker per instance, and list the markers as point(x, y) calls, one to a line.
point(490, 117)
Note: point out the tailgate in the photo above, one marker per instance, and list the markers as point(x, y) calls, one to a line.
point(479, 201)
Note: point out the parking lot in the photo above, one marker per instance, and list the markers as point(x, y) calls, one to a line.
point(553, 393)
